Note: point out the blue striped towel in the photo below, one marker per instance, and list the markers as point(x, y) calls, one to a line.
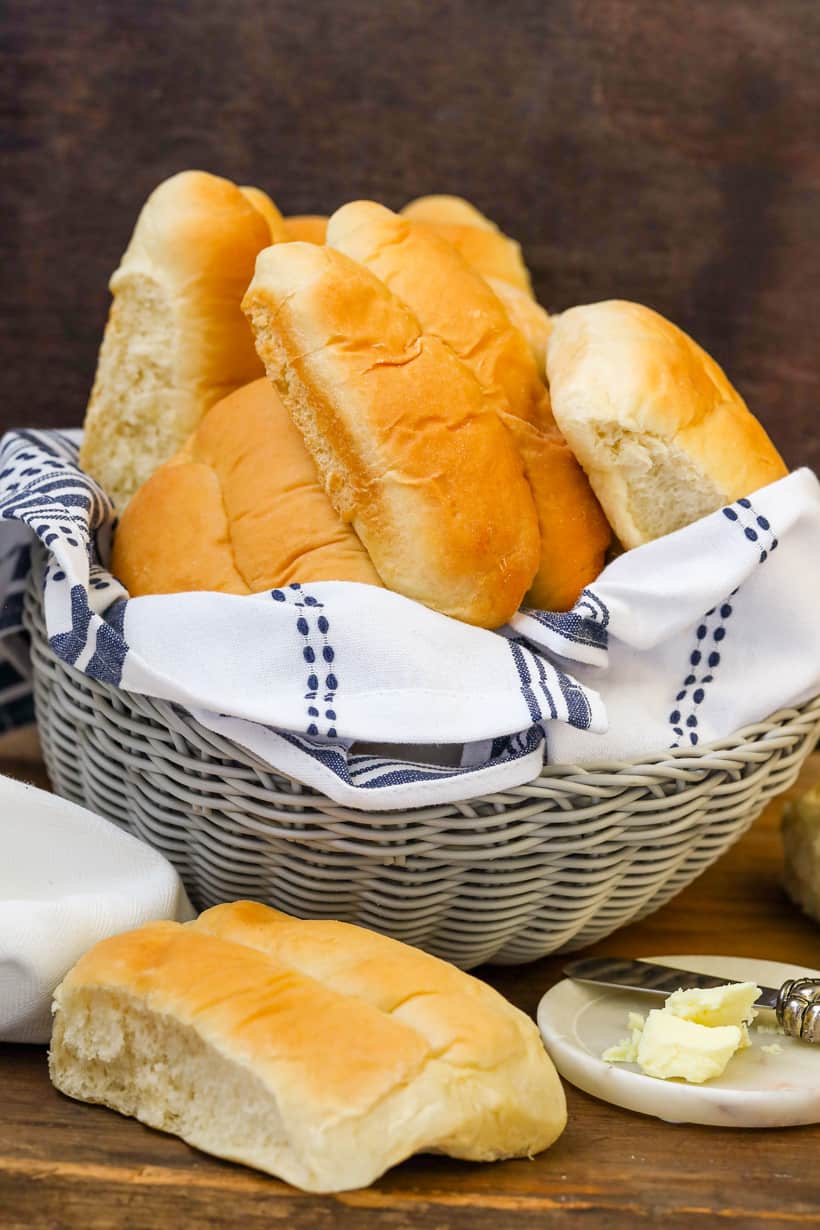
point(344, 687)
point(304, 676)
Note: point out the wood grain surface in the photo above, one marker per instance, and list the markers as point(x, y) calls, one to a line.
point(66, 1165)
point(665, 152)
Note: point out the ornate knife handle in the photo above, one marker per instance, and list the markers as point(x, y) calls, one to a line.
point(798, 1008)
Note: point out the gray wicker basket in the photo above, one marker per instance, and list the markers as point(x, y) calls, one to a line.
point(554, 864)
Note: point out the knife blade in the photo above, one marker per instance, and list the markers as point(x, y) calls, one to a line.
point(652, 979)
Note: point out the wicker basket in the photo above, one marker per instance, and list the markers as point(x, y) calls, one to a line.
point(554, 864)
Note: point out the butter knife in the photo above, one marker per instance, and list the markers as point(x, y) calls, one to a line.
point(796, 1002)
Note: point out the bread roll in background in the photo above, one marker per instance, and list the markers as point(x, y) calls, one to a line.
point(269, 211)
point(480, 242)
point(662, 434)
point(238, 510)
point(447, 210)
point(513, 291)
point(316, 1051)
point(306, 228)
point(176, 340)
point(531, 320)
point(454, 303)
point(404, 442)
point(574, 533)
point(801, 849)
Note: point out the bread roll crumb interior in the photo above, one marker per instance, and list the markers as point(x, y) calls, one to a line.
point(316, 1051)
point(662, 434)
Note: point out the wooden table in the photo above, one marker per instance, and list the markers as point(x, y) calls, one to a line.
point(63, 1164)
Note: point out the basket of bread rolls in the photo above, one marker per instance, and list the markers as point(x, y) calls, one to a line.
point(377, 398)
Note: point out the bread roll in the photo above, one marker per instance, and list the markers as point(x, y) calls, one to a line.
point(662, 434)
point(266, 207)
point(441, 212)
point(447, 210)
point(176, 340)
point(455, 304)
point(315, 1051)
point(306, 228)
point(238, 510)
point(530, 319)
point(403, 440)
point(449, 299)
point(801, 850)
point(479, 240)
point(574, 532)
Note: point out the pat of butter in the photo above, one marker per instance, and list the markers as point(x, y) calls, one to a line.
point(729, 1005)
point(693, 1036)
point(672, 1046)
point(626, 1051)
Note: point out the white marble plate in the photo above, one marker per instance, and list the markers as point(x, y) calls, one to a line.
point(578, 1022)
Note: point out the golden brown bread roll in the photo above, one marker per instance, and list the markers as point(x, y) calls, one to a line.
point(306, 228)
point(531, 320)
point(447, 210)
point(513, 290)
point(403, 440)
point(574, 532)
point(662, 434)
point(269, 211)
point(238, 510)
point(480, 242)
point(452, 302)
point(176, 340)
point(318, 1052)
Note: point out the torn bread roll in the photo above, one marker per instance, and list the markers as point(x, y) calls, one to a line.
point(238, 510)
point(404, 442)
point(480, 242)
point(453, 303)
point(662, 434)
point(176, 340)
point(318, 1052)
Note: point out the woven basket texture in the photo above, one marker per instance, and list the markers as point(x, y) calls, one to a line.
point(551, 865)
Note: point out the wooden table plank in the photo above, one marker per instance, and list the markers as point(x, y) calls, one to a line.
point(63, 1164)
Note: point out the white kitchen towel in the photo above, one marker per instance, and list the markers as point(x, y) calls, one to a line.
point(16, 701)
point(299, 674)
point(304, 675)
point(707, 630)
point(67, 879)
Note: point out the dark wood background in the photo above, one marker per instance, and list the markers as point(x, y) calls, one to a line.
point(660, 150)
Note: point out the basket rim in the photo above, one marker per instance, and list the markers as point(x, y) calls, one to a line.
point(761, 731)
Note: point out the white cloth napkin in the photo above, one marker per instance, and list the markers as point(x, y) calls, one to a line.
point(708, 629)
point(303, 676)
point(67, 879)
